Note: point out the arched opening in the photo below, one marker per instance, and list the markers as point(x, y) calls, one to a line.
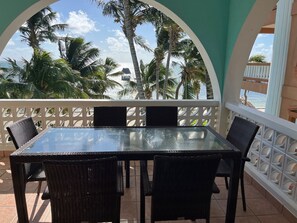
point(39, 5)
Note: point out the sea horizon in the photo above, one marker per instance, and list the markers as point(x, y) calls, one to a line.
point(258, 100)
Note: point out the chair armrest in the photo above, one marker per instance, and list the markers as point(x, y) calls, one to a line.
point(45, 194)
point(215, 188)
point(120, 186)
point(147, 185)
point(246, 159)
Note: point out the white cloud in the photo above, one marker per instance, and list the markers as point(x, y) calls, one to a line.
point(10, 43)
point(263, 49)
point(118, 42)
point(118, 48)
point(260, 45)
point(80, 23)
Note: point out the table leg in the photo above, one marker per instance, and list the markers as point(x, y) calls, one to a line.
point(142, 201)
point(233, 191)
point(127, 168)
point(19, 188)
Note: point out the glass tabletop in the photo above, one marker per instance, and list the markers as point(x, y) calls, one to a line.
point(61, 140)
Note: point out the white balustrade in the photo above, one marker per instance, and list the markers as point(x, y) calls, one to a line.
point(273, 154)
point(257, 70)
point(74, 112)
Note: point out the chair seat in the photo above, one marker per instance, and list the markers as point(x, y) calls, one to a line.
point(37, 175)
point(46, 194)
point(223, 169)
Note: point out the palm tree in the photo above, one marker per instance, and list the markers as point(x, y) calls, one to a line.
point(157, 18)
point(40, 28)
point(106, 73)
point(193, 70)
point(173, 33)
point(159, 57)
point(84, 59)
point(9, 88)
point(80, 55)
point(129, 14)
point(149, 81)
point(47, 78)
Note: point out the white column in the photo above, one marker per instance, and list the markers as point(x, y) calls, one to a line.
point(279, 57)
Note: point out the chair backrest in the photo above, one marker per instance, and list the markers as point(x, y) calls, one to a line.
point(83, 190)
point(241, 134)
point(161, 116)
point(22, 131)
point(182, 186)
point(110, 116)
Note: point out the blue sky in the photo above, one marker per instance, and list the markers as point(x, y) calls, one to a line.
point(86, 20)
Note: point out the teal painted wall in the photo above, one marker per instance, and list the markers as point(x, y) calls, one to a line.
point(208, 19)
point(10, 9)
point(239, 10)
point(215, 22)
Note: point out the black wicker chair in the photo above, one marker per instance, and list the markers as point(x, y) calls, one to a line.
point(161, 116)
point(85, 190)
point(112, 116)
point(241, 134)
point(181, 187)
point(21, 132)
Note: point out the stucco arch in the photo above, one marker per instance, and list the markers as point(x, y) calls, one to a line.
point(21, 18)
point(242, 47)
point(239, 57)
point(198, 44)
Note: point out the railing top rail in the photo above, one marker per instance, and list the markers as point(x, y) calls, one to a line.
point(258, 64)
point(281, 125)
point(96, 102)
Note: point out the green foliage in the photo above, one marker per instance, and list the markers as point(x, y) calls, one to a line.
point(81, 73)
point(259, 58)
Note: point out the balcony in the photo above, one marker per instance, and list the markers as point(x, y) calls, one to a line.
point(259, 207)
point(271, 174)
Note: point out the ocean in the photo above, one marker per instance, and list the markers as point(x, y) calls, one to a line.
point(257, 99)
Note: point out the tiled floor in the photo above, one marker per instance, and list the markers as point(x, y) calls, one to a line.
point(259, 209)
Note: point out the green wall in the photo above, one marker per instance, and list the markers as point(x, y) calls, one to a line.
point(208, 19)
point(10, 9)
point(215, 22)
point(239, 10)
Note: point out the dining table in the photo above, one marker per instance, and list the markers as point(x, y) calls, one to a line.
point(126, 143)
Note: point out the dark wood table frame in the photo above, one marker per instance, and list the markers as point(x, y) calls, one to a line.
point(19, 157)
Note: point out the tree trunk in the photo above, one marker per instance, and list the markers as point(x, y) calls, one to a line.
point(177, 89)
point(168, 62)
point(209, 91)
point(130, 36)
point(157, 79)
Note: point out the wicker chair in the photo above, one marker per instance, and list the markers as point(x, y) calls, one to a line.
point(161, 116)
point(181, 187)
point(85, 190)
point(241, 134)
point(110, 116)
point(113, 116)
point(21, 132)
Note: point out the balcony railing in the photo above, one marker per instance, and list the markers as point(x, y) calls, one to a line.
point(47, 113)
point(273, 155)
point(257, 70)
